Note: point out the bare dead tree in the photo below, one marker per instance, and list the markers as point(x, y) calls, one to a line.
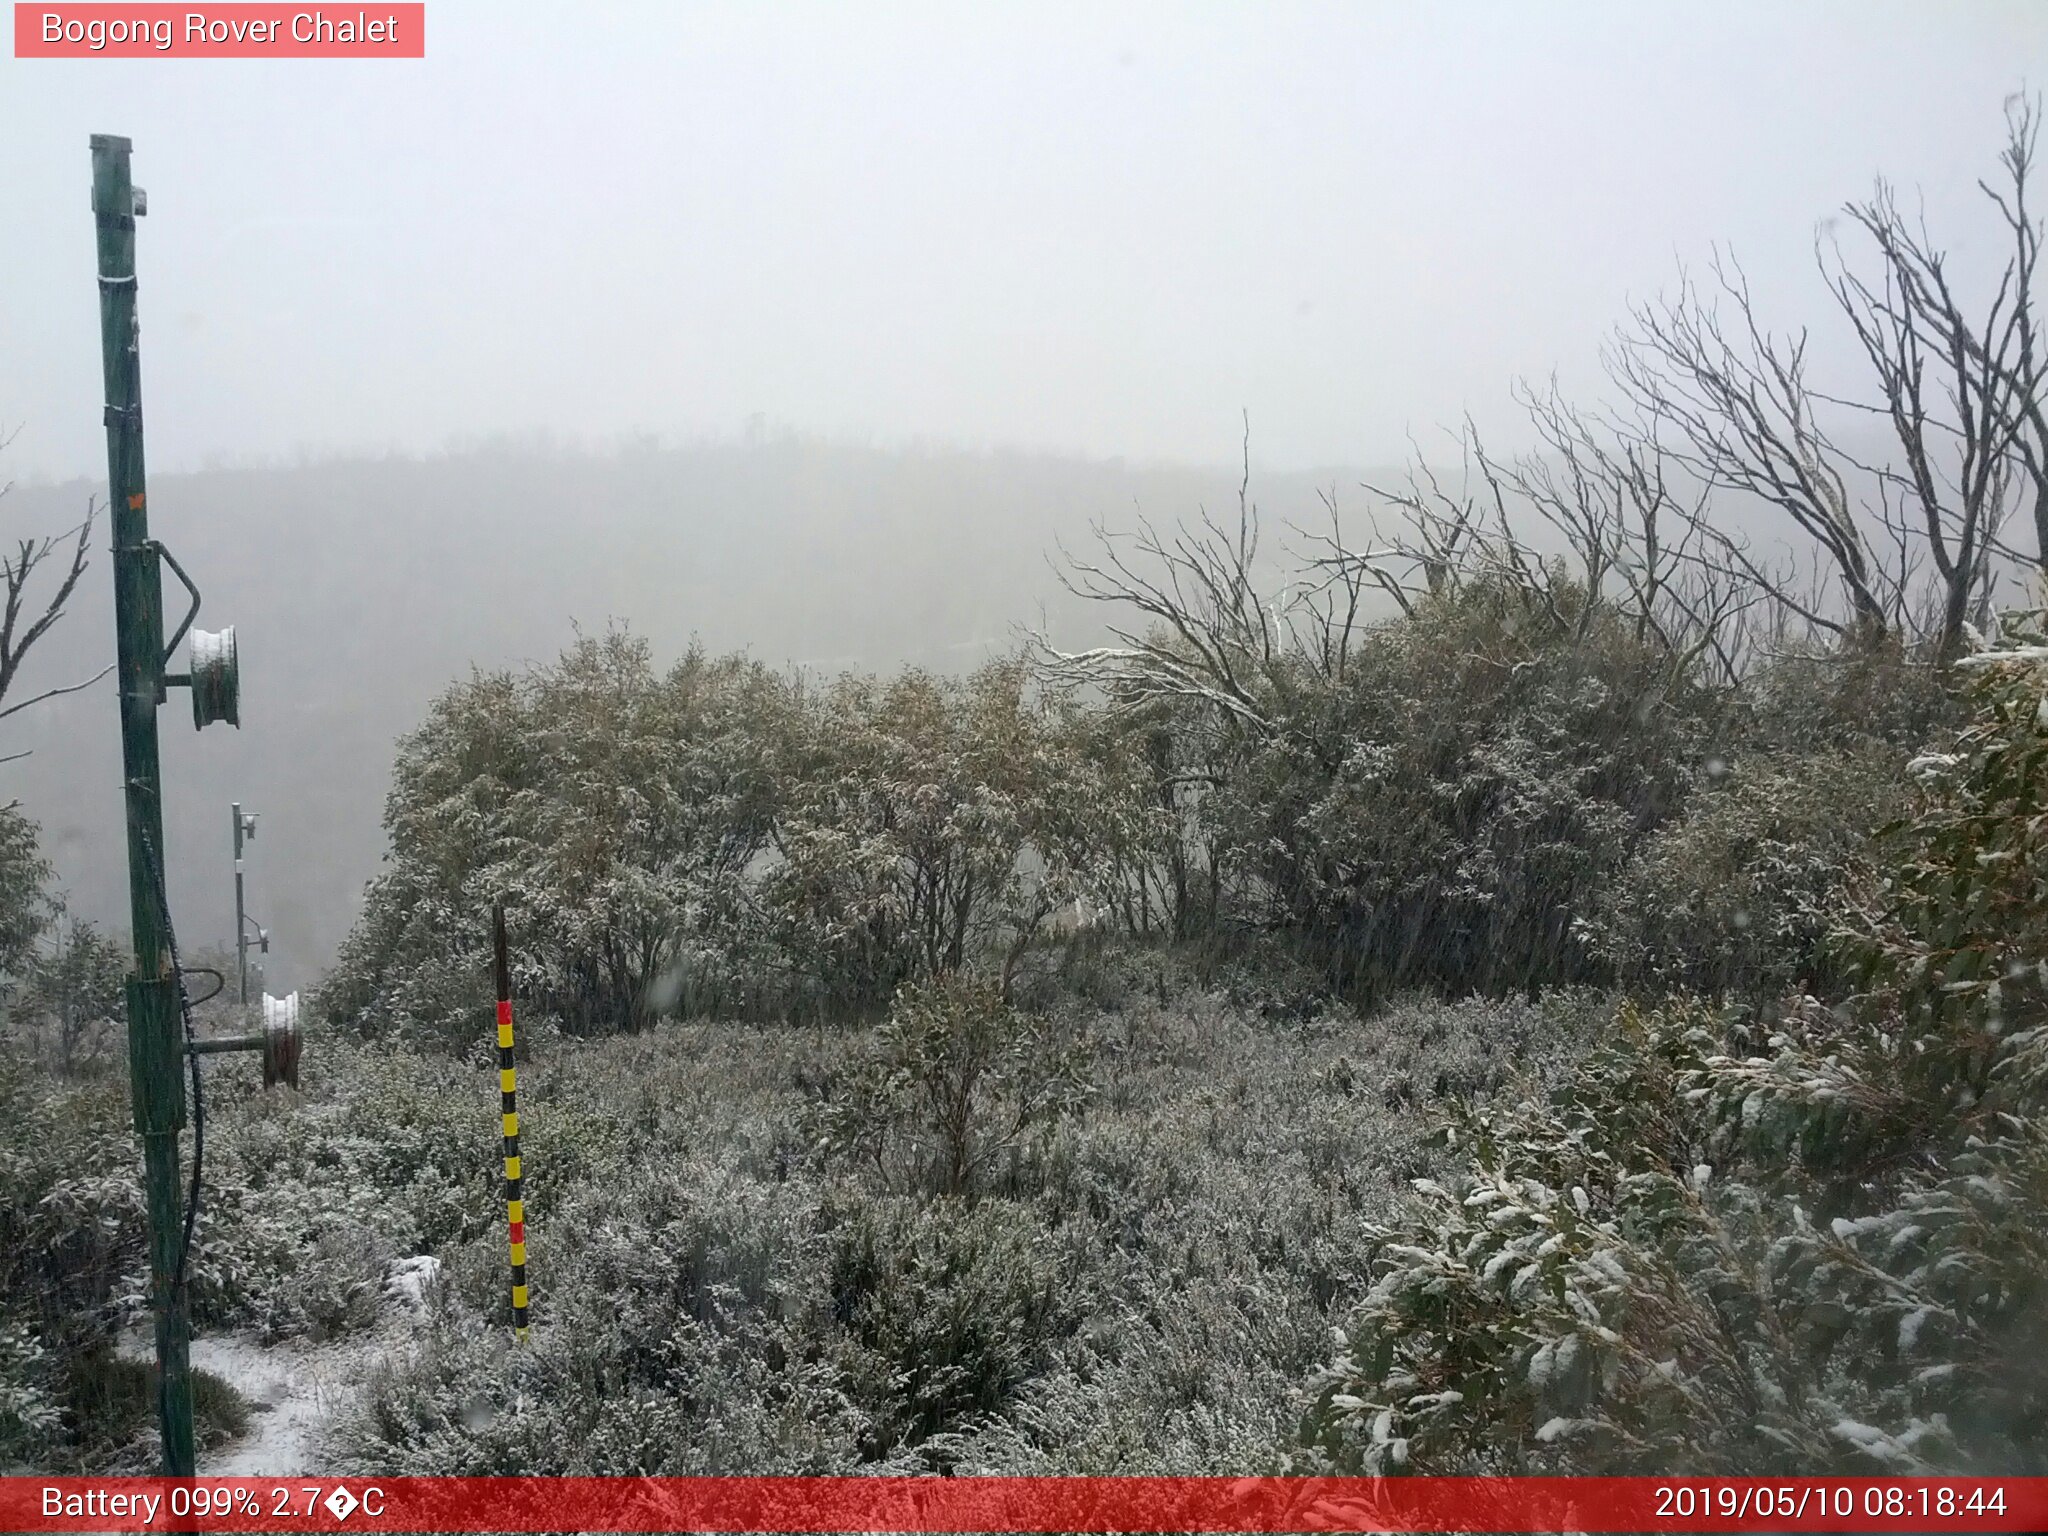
point(1963, 394)
point(2027, 367)
point(1444, 537)
point(1447, 529)
point(1745, 419)
point(1715, 405)
point(1207, 663)
point(1636, 540)
point(1324, 609)
point(1639, 528)
point(1208, 636)
point(24, 619)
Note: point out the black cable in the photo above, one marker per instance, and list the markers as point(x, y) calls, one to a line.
point(163, 900)
point(220, 983)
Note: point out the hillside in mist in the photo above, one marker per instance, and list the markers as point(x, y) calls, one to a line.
point(361, 588)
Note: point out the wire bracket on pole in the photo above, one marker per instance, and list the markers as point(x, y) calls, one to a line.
point(123, 415)
point(156, 548)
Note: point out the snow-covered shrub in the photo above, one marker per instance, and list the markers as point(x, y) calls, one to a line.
point(1442, 812)
point(679, 1329)
point(611, 808)
point(31, 1402)
point(947, 1310)
point(25, 904)
point(74, 991)
point(73, 1271)
point(1740, 894)
point(926, 823)
point(1822, 702)
point(72, 1254)
point(1467, 1051)
point(310, 1198)
point(719, 840)
point(955, 1081)
point(688, 1401)
point(1714, 1250)
point(710, 1294)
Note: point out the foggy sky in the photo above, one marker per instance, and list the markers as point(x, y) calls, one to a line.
point(1088, 228)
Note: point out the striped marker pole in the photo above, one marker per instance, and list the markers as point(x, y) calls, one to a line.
point(508, 1089)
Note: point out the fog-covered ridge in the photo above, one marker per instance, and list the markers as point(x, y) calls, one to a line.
point(359, 588)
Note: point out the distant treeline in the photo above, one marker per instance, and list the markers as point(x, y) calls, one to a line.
point(359, 587)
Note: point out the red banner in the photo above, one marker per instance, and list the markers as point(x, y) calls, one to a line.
point(1024, 1504)
point(237, 31)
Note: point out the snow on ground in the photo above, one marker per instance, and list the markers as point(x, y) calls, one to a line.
point(293, 1388)
point(292, 1391)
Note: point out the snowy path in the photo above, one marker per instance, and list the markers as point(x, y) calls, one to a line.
point(293, 1388)
point(292, 1391)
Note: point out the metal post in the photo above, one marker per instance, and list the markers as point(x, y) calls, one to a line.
point(244, 830)
point(154, 1053)
point(241, 929)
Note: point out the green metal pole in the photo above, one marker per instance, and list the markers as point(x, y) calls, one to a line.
point(154, 1053)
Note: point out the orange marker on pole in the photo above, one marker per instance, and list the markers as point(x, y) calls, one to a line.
point(508, 1089)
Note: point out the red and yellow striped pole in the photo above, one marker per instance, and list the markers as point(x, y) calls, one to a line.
point(508, 1089)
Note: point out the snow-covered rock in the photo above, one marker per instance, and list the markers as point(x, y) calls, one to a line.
point(410, 1279)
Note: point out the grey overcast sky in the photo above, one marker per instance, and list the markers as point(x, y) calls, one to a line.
point(1096, 227)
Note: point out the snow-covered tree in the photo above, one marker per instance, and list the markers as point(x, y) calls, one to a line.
point(611, 807)
point(927, 822)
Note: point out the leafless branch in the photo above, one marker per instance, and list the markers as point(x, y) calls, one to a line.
point(1737, 401)
point(24, 620)
point(51, 693)
point(1960, 393)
